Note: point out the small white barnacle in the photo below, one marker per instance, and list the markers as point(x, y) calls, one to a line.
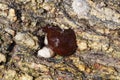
point(45, 52)
point(80, 7)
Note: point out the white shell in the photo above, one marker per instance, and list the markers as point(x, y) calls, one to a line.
point(80, 7)
point(45, 52)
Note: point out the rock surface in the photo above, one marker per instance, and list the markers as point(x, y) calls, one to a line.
point(97, 34)
point(26, 39)
point(2, 58)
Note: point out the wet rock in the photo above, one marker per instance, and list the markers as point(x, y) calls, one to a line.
point(37, 13)
point(35, 66)
point(47, 6)
point(105, 13)
point(2, 58)
point(106, 70)
point(12, 15)
point(28, 67)
point(96, 42)
point(101, 58)
point(80, 65)
point(44, 77)
point(82, 44)
point(3, 10)
point(88, 70)
point(25, 77)
point(3, 6)
point(6, 40)
point(10, 31)
point(24, 1)
point(26, 39)
point(9, 75)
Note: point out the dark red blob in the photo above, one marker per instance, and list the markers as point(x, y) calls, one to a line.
point(61, 41)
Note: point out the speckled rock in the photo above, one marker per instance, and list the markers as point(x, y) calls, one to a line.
point(97, 33)
point(26, 39)
point(28, 67)
point(25, 77)
point(9, 75)
point(107, 14)
point(2, 58)
point(39, 66)
point(95, 42)
point(12, 15)
point(10, 31)
point(82, 44)
point(3, 9)
point(80, 65)
point(44, 77)
point(24, 1)
point(3, 6)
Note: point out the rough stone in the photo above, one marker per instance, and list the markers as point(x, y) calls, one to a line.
point(26, 39)
point(3, 6)
point(12, 15)
point(10, 31)
point(2, 58)
point(82, 45)
point(25, 77)
point(3, 10)
point(9, 75)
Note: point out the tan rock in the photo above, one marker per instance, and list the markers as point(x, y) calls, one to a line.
point(82, 45)
point(2, 58)
point(10, 31)
point(39, 66)
point(47, 6)
point(26, 39)
point(44, 77)
point(103, 13)
point(24, 1)
point(88, 70)
point(3, 6)
point(3, 10)
point(108, 70)
point(12, 15)
point(9, 75)
point(26, 77)
point(80, 65)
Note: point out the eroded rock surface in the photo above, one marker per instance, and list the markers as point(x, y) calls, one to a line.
point(97, 35)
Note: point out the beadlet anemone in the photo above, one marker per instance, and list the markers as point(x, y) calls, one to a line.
point(60, 41)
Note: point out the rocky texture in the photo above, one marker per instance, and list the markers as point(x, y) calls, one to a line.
point(106, 13)
point(12, 15)
point(2, 58)
point(97, 35)
point(101, 12)
point(26, 39)
point(10, 74)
